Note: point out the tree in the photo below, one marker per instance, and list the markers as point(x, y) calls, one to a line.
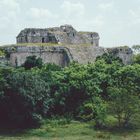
point(95, 77)
point(123, 104)
point(136, 48)
point(109, 58)
point(25, 99)
point(136, 58)
point(124, 93)
point(32, 61)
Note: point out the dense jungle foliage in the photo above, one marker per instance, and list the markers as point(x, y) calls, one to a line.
point(83, 92)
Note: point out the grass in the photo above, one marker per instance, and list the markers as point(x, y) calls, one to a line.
point(59, 130)
point(30, 44)
point(44, 45)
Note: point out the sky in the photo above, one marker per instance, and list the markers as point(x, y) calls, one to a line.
point(116, 21)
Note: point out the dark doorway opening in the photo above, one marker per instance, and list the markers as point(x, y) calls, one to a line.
point(73, 35)
point(26, 39)
point(43, 40)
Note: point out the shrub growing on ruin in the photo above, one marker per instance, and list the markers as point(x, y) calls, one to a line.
point(32, 61)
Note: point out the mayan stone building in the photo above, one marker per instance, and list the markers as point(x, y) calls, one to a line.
point(64, 34)
point(61, 45)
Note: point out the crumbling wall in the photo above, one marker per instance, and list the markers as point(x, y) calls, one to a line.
point(62, 55)
point(48, 54)
point(84, 54)
point(65, 34)
point(17, 59)
point(124, 52)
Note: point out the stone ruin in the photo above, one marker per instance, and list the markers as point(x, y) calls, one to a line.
point(62, 45)
point(65, 34)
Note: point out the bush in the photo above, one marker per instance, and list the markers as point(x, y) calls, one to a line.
point(109, 58)
point(124, 93)
point(2, 53)
point(32, 61)
point(123, 105)
point(77, 91)
point(95, 109)
point(136, 58)
point(24, 99)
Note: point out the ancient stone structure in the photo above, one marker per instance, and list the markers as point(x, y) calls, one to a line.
point(62, 55)
point(49, 54)
point(65, 34)
point(125, 53)
point(62, 45)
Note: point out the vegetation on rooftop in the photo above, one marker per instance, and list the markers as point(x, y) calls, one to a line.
point(44, 45)
point(2, 53)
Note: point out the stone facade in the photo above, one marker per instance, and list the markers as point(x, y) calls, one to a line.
point(125, 53)
point(64, 34)
point(62, 55)
point(51, 54)
point(62, 45)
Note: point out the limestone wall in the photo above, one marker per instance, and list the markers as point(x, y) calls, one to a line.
point(48, 54)
point(62, 55)
point(65, 34)
point(125, 53)
point(85, 54)
point(17, 59)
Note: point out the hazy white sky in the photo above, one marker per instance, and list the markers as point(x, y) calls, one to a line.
point(116, 21)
